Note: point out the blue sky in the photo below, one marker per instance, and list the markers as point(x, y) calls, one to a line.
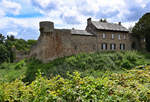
point(21, 17)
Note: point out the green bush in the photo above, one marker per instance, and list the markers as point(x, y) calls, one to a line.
point(130, 86)
point(20, 64)
point(81, 62)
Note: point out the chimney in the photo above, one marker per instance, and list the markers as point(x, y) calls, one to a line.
point(101, 20)
point(89, 21)
point(119, 23)
point(105, 20)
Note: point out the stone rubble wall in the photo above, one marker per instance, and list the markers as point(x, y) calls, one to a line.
point(56, 43)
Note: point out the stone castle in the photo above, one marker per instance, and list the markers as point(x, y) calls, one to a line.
point(98, 36)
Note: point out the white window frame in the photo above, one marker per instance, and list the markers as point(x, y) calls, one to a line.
point(119, 37)
point(113, 46)
point(124, 36)
point(104, 35)
point(112, 36)
point(122, 47)
point(104, 46)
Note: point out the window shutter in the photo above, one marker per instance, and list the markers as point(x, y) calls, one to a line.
point(120, 46)
point(111, 46)
point(114, 46)
point(124, 46)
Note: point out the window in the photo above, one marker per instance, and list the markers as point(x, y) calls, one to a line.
point(122, 46)
point(112, 46)
point(94, 47)
point(104, 36)
point(104, 46)
point(112, 36)
point(124, 36)
point(144, 40)
point(119, 37)
point(75, 47)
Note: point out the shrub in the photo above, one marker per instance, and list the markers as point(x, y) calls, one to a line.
point(132, 85)
point(20, 64)
point(83, 61)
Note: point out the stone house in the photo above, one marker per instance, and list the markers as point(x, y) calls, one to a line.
point(98, 36)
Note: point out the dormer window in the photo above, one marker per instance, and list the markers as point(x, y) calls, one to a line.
point(104, 36)
point(119, 37)
point(112, 36)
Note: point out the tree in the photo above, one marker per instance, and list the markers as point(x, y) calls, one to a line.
point(2, 38)
point(142, 29)
point(11, 38)
point(3, 54)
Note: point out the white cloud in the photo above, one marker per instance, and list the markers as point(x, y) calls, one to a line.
point(10, 7)
point(61, 11)
point(43, 3)
point(129, 24)
point(2, 13)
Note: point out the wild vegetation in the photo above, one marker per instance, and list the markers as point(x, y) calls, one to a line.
point(131, 85)
point(7, 45)
point(142, 29)
point(88, 63)
point(104, 76)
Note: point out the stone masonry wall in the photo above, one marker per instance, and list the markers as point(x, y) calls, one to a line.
point(116, 41)
point(83, 44)
point(60, 43)
point(55, 43)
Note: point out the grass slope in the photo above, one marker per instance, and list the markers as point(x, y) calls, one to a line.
point(104, 77)
point(89, 64)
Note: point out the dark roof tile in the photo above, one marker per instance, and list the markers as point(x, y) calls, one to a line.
point(108, 26)
point(80, 32)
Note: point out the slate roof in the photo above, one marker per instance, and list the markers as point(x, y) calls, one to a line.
point(80, 32)
point(109, 26)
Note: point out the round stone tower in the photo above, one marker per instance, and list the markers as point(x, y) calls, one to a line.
point(46, 26)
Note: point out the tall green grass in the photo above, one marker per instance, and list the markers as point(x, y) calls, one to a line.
point(11, 71)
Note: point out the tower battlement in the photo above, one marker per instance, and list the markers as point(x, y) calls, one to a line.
point(46, 26)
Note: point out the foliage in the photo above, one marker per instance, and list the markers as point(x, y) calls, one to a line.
point(85, 62)
point(104, 77)
point(7, 46)
point(142, 29)
point(11, 71)
point(3, 53)
point(129, 86)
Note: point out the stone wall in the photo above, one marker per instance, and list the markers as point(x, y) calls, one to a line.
point(52, 45)
point(60, 43)
point(55, 43)
point(108, 40)
point(83, 43)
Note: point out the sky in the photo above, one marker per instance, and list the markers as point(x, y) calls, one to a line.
point(21, 17)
